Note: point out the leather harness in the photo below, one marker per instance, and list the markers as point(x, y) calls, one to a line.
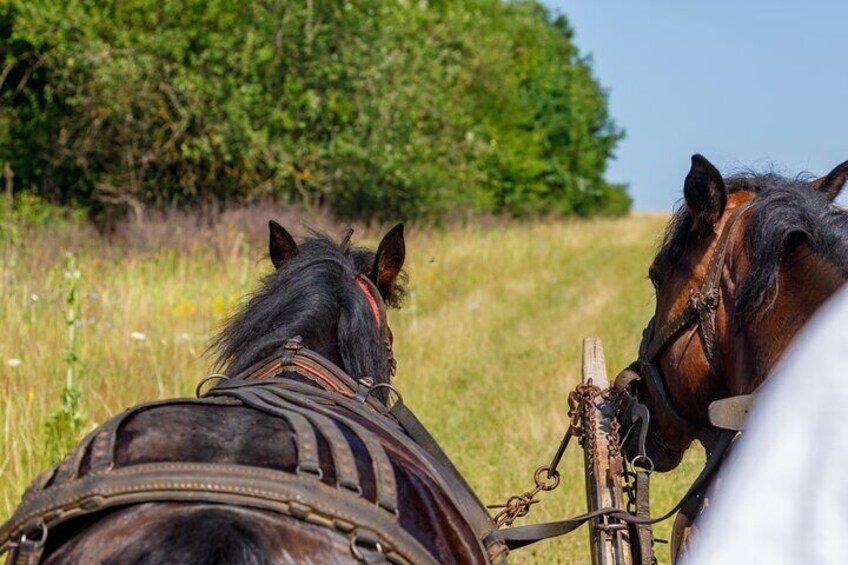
point(87, 480)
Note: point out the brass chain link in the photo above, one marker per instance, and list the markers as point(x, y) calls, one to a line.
point(546, 478)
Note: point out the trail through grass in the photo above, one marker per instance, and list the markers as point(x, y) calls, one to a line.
point(488, 344)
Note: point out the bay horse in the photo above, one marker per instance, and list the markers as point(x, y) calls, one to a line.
point(744, 264)
point(293, 456)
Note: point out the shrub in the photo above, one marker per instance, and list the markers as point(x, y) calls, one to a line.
point(375, 108)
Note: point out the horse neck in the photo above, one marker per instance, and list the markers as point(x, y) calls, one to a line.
point(804, 283)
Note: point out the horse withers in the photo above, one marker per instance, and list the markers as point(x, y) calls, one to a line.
point(743, 266)
point(294, 455)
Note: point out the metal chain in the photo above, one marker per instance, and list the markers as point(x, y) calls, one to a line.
point(546, 478)
point(628, 477)
point(615, 457)
point(589, 420)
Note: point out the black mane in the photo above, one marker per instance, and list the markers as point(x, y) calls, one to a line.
point(313, 296)
point(786, 212)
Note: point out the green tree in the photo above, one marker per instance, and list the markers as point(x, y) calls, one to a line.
point(375, 108)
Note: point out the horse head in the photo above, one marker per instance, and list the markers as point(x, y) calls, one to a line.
point(331, 295)
point(744, 264)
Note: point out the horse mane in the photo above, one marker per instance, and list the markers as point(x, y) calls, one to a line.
point(786, 212)
point(313, 296)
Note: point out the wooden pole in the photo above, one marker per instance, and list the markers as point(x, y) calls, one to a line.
point(610, 542)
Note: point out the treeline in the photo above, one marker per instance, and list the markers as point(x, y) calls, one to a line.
point(373, 108)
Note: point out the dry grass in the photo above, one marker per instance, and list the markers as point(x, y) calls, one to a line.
point(488, 343)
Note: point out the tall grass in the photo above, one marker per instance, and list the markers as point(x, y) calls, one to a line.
point(488, 343)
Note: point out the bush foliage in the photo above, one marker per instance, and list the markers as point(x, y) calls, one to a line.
point(375, 108)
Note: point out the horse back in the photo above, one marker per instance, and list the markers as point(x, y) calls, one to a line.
point(375, 481)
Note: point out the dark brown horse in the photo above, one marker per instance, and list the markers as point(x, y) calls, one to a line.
point(744, 264)
point(291, 460)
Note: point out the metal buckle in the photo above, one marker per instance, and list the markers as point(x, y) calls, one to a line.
point(33, 546)
point(363, 390)
point(360, 539)
point(290, 349)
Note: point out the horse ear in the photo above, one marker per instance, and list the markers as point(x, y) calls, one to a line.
point(834, 182)
point(281, 245)
point(705, 192)
point(389, 261)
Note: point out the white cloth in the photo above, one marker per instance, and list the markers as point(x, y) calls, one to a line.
point(784, 492)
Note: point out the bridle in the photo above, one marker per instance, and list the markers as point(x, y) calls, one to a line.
point(700, 312)
point(319, 370)
point(378, 309)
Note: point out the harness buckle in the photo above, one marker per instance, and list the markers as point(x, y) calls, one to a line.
point(363, 389)
point(290, 349)
point(710, 300)
point(366, 547)
point(694, 302)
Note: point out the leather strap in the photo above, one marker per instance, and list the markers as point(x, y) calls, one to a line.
point(240, 485)
point(525, 535)
point(644, 534)
point(415, 438)
point(27, 552)
point(703, 304)
point(69, 466)
point(386, 486)
point(344, 463)
point(402, 424)
point(464, 496)
point(659, 396)
point(305, 438)
point(416, 430)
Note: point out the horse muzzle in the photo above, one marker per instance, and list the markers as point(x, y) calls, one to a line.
point(643, 446)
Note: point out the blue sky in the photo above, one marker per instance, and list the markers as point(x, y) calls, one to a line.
point(749, 84)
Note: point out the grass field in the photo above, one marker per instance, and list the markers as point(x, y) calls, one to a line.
point(488, 343)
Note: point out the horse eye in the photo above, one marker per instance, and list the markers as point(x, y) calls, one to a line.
point(654, 277)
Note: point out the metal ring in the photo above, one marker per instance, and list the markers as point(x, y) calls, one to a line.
point(205, 380)
point(546, 472)
point(648, 466)
point(388, 386)
point(42, 539)
point(318, 472)
point(355, 489)
point(354, 546)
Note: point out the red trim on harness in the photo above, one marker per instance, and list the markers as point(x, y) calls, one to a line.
point(372, 302)
point(321, 376)
point(274, 369)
